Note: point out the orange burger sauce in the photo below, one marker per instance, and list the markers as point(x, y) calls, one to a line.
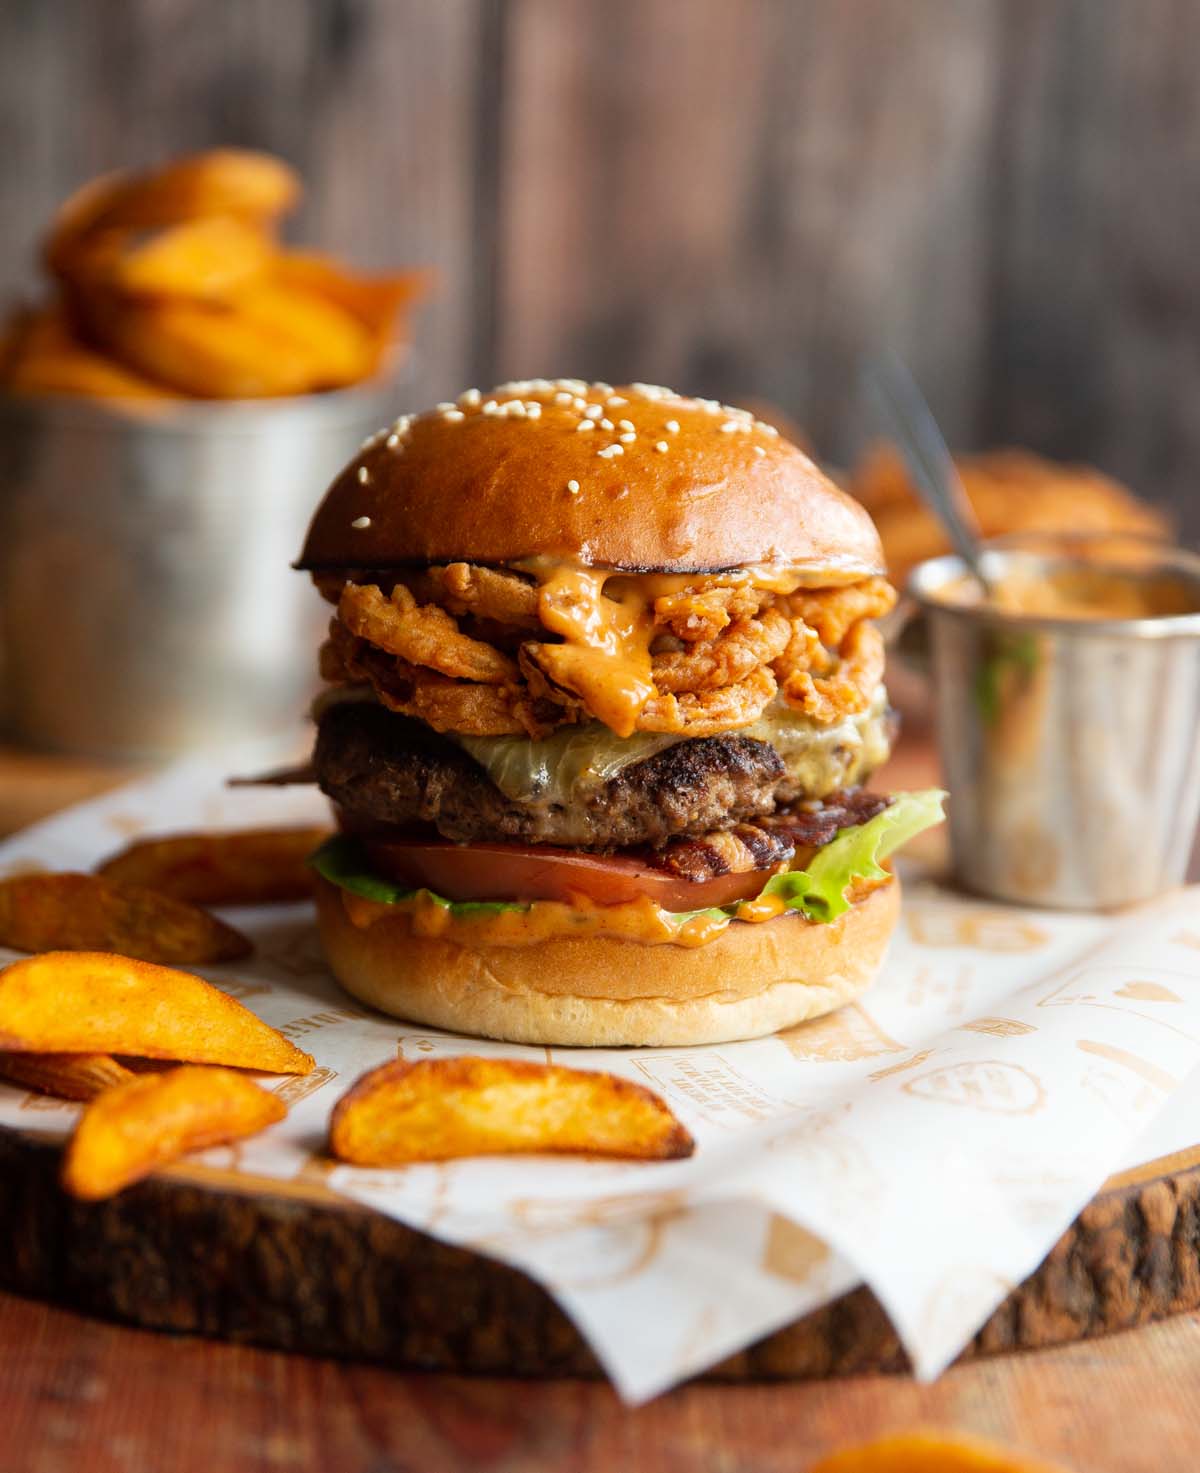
point(640, 921)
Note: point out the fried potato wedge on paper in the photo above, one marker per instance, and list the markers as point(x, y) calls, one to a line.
point(88, 1002)
point(75, 912)
point(127, 1132)
point(439, 1109)
point(931, 1452)
point(69, 1076)
point(244, 867)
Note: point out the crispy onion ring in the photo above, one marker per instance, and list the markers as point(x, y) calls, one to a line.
point(849, 689)
point(421, 634)
point(832, 611)
point(485, 593)
point(712, 663)
point(437, 700)
point(696, 614)
point(708, 713)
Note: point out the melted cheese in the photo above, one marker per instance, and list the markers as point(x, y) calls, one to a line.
point(575, 761)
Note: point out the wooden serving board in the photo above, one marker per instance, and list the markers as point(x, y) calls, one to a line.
point(292, 1266)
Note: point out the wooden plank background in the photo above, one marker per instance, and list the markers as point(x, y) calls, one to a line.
point(738, 197)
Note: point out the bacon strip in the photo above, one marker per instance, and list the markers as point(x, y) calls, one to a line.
point(767, 842)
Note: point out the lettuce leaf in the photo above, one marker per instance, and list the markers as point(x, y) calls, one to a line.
point(818, 892)
point(856, 853)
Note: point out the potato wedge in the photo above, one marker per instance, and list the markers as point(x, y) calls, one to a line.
point(74, 912)
point(246, 867)
point(439, 1109)
point(69, 1076)
point(88, 1002)
point(377, 301)
point(41, 355)
point(232, 182)
point(931, 1452)
point(211, 258)
point(128, 1131)
point(264, 343)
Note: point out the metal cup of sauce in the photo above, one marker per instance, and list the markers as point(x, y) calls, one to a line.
point(147, 605)
point(1068, 716)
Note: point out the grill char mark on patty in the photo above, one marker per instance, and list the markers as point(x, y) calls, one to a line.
point(387, 769)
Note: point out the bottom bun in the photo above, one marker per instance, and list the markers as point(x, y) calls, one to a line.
point(598, 992)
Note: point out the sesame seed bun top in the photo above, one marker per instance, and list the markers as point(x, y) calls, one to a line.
point(633, 477)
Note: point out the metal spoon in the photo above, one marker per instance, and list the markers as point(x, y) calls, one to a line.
point(910, 422)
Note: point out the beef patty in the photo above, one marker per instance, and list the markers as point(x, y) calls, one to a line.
point(386, 768)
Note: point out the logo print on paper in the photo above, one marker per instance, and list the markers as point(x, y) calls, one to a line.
point(1143, 1068)
point(1148, 992)
point(839, 1038)
point(990, 1085)
point(982, 930)
point(899, 1068)
point(999, 1027)
point(300, 1086)
point(792, 1252)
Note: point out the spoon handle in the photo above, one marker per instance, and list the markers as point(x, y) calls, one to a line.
point(911, 424)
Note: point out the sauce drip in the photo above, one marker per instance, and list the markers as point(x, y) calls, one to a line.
point(605, 619)
point(605, 655)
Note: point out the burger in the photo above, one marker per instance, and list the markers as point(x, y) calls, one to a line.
point(603, 686)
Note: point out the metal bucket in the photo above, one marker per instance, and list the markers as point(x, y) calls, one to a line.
point(147, 605)
point(1071, 746)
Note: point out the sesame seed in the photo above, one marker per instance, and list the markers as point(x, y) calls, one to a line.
point(491, 407)
point(584, 424)
point(576, 385)
point(453, 415)
point(660, 446)
point(443, 406)
point(672, 426)
point(470, 397)
point(614, 401)
point(626, 424)
point(562, 397)
point(729, 426)
point(533, 409)
point(758, 450)
point(609, 451)
point(578, 402)
point(364, 475)
point(361, 522)
point(601, 387)
point(627, 438)
point(573, 487)
point(760, 424)
point(592, 411)
point(393, 441)
point(606, 424)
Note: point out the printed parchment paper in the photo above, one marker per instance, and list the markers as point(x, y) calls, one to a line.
point(934, 1139)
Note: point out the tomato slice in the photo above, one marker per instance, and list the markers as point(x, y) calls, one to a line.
point(517, 872)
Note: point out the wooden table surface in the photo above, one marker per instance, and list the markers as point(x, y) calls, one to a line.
point(80, 1396)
